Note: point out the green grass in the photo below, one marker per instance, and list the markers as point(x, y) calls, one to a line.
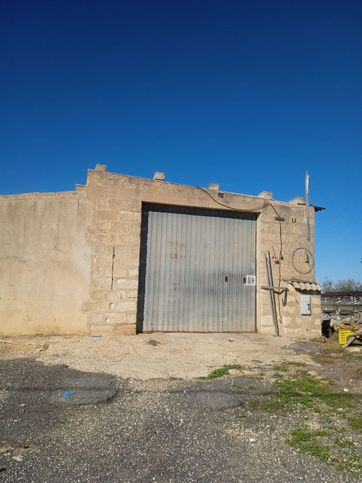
point(304, 436)
point(307, 442)
point(355, 422)
point(312, 442)
point(304, 391)
point(280, 367)
point(352, 462)
point(308, 391)
point(308, 401)
point(344, 443)
point(223, 371)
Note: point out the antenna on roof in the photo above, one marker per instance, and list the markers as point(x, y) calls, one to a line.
point(306, 183)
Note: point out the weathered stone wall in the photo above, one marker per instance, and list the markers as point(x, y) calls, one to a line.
point(44, 263)
point(290, 239)
point(69, 262)
point(293, 323)
point(115, 241)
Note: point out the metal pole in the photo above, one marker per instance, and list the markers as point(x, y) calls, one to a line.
point(272, 298)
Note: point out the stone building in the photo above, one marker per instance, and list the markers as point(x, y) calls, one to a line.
point(122, 254)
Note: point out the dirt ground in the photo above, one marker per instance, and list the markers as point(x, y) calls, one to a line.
point(180, 408)
point(149, 356)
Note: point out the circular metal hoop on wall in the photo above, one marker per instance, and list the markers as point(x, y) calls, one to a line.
point(302, 260)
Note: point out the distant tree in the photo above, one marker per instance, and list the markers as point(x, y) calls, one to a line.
point(345, 285)
point(327, 285)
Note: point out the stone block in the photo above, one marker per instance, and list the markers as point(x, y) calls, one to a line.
point(102, 269)
point(102, 226)
point(97, 318)
point(124, 306)
point(118, 270)
point(121, 317)
point(101, 282)
point(114, 295)
point(130, 283)
point(98, 294)
point(124, 329)
point(267, 330)
point(133, 272)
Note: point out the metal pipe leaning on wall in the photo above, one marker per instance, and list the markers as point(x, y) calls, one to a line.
point(272, 294)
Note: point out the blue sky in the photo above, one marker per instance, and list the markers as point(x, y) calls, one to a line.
point(247, 94)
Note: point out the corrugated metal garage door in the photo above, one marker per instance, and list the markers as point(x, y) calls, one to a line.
point(195, 261)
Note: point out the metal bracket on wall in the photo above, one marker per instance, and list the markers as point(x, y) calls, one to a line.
point(279, 291)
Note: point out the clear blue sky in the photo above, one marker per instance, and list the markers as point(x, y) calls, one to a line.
point(247, 94)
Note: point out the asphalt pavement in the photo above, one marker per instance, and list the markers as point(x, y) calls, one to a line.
point(63, 425)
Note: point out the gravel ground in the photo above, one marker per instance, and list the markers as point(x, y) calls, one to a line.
point(160, 430)
point(147, 356)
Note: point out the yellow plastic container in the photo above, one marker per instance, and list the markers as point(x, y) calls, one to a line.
point(343, 335)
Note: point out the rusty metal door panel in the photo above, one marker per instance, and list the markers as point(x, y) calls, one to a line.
point(195, 261)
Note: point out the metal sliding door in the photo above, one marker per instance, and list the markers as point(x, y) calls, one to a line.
point(195, 262)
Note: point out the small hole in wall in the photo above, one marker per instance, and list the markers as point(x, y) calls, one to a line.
point(220, 195)
point(111, 306)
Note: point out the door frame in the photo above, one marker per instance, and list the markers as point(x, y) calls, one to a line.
point(146, 207)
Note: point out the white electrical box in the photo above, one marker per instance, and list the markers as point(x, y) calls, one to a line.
point(305, 307)
point(249, 280)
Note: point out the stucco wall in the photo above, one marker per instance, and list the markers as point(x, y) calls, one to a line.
point(45, 263)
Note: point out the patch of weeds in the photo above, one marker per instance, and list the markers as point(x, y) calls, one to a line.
point(307, 442)
point(352, 463)
point(344, 443)
point(310, 402)
point(297, 364)
point(280, 367)
point(278, 376)
point(355, 422)
point(310, 442)
point(313, 399)
point(44, 348)
point(308, 391)
point(332, 352)
point(223, 371)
